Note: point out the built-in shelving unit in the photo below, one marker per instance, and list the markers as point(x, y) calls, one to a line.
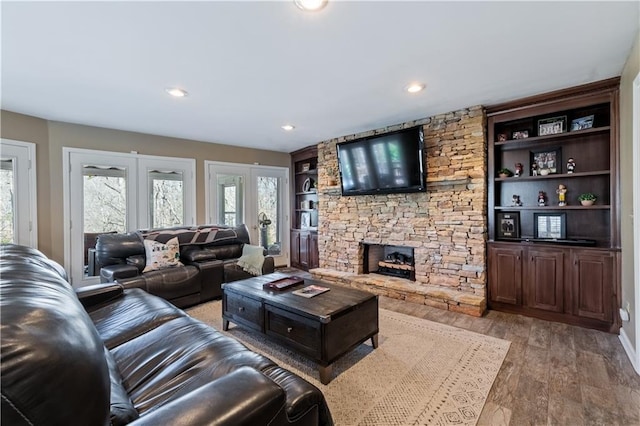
point(304, 208)
point(571, 277)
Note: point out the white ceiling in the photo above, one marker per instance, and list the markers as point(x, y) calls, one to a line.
point(250, 67)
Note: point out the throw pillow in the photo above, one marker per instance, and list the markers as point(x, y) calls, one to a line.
point(161, 256)
point(252, 259)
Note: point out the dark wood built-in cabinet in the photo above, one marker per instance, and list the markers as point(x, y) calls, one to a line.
point(572, 273)
point(304, 209)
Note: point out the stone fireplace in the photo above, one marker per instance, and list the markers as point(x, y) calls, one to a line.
point(446, 227)
point(384, 259)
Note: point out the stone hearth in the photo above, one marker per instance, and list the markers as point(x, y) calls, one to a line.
point(446, 226)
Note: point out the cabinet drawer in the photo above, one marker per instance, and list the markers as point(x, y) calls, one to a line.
point(244, 310)
point(297, 331)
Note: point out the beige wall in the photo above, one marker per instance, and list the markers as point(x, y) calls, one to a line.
point(53, 136)
point(631, 69)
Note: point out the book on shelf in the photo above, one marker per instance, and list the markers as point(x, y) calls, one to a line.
point(310, 291)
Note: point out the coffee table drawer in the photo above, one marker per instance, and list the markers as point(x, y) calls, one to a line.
point(300, 332)
point(244, 310)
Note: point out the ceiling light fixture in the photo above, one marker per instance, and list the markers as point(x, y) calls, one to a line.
point(415, 87)
point(174, 91)
point(288, 127)
point(311, 5)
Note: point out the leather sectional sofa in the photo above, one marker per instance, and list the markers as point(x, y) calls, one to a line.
point(104, 355)
point(209, 254)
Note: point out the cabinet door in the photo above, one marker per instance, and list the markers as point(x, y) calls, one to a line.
point(505, 275)
point(314, 261)
point(592, 284)
point(304, 249)
point(295, 248)
point(545, 279)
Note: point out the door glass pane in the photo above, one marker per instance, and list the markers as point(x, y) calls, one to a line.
point(7, 202)
point(166, 198)
point(230, 193)
point(105, 204)
point(269, 214)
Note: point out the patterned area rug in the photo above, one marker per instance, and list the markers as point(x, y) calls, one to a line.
point(422, 373)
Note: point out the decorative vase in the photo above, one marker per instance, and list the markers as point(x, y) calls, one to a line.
point(587, 203)
point(544, 172)
point(503, 175)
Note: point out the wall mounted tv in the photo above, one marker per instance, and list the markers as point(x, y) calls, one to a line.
point(383, 164)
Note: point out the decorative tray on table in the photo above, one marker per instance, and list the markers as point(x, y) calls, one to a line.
point(283, 283)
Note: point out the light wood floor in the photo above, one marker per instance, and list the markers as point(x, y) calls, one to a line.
point(554, 374)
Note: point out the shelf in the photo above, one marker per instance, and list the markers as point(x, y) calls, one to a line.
point(536, 140)
point(306, 210)
point(308, 172)
point(595, 207)
point(554, 176)
point(307, 193)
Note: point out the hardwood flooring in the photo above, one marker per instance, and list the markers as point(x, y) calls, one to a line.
point(554, 374)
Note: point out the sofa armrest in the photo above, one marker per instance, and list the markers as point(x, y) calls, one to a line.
point(92, 295)
point(243, 397)
point(115, 272)
point(268, 266)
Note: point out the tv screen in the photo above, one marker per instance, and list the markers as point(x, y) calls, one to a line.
point(383, 164)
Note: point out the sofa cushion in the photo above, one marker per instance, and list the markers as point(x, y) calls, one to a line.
point(177, 357)
point(161, 255)
point(130, 316)
point(193, 254)
point(139, 261)
point(122, 410)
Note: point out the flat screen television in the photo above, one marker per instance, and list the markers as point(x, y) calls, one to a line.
point(383, 164)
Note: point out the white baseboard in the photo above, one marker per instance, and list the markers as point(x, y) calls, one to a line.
point(631, 353)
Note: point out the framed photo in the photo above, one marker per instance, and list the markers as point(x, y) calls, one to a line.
point(520, 134)
point(582, 123)
point(305, 220)
point(306, 167)
point(306, 185)
point(546, 161)
point(508, 225)
point(502, 137)
point(550, 225)
point(552, 126)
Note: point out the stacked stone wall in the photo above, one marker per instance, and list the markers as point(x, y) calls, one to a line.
point(446, 226)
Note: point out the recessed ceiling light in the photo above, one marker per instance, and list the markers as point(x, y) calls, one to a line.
point(288, 127)
point(310, 5)
point(174, 91)
point(415, 87)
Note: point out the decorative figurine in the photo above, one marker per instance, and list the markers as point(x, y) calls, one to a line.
point(515, 201)
point(518, 170)
point(571, 165)
point(561, 191)
point(534, 169)
point(542, 198)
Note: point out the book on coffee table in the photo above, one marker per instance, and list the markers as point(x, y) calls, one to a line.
point(310, 291)
point(283, 283)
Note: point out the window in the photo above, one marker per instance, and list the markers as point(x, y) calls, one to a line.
point(18, 212)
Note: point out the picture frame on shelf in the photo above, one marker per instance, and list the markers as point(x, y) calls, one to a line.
point(305, 220)
point(507, 225)
point(520, 134)
point(502, 137)
point(306, 167)
point(550, 226)
point(547, 161)
point(552, 126)
point(582, 123)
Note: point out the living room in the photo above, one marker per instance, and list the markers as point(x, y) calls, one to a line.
point(452, 278)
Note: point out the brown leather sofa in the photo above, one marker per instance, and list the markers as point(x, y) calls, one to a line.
point(209, 254)
point(105, 355)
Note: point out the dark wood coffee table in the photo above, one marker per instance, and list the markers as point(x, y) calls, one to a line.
point(322, 328)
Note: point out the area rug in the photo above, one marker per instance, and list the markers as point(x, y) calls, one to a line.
point(422, 373)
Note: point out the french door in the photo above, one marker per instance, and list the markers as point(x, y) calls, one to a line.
point(18, 222)
point(254, 195)
point(117, 192)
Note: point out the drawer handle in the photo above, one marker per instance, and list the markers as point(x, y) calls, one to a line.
point(289, 329)
point(241, 309)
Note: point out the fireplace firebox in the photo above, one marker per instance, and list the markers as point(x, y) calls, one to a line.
point(395, 261)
